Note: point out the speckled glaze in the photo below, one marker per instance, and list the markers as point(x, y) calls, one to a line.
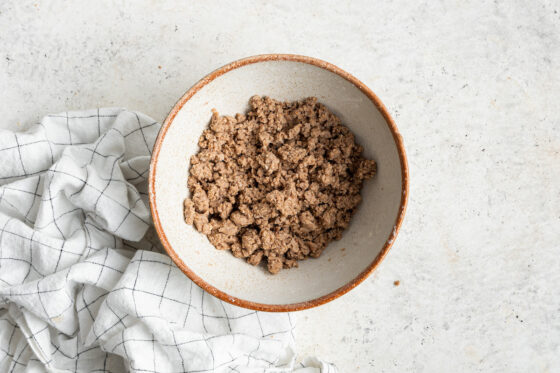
point(345, 263)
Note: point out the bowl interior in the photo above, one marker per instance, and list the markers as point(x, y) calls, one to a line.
point(371, 227)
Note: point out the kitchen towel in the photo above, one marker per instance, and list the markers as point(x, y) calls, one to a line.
point(84, 286)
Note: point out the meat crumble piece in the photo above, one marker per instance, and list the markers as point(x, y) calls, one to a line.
point(277, 184)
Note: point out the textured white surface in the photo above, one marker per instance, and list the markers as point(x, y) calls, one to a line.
point(474, 90)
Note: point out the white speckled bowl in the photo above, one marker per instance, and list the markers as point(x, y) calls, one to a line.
point(345, 263)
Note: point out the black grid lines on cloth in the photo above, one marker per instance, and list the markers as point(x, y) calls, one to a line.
point(82, 286)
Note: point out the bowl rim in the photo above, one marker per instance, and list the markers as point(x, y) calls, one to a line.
point(292, 306)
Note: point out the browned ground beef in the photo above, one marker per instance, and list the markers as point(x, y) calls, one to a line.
point(277, 184)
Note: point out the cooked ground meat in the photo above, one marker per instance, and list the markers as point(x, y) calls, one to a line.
point(278, 183)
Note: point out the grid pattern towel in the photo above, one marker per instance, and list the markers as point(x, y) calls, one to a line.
point(84, 286)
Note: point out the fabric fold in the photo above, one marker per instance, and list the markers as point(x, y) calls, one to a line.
point(83, 283)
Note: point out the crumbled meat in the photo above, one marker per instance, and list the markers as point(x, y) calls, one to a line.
point(188, 211)
point(278, 183)
point(224, 209)
point(228, 227)
point(201, 171)
point(274, 264)
point(250, 241)
point(200, 199)
point(307, 222)
point(201, 223)
point(255, 258)
point(241, 219)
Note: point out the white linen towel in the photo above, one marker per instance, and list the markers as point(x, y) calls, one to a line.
point(84, 286)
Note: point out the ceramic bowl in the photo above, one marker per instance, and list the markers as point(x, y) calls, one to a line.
point(345, 263)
